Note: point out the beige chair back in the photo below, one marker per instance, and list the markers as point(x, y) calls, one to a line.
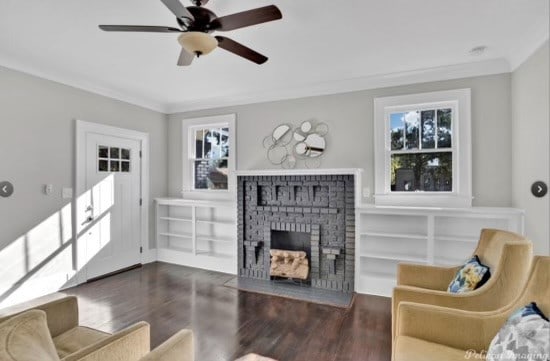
point(491, 246)
point(538, 287)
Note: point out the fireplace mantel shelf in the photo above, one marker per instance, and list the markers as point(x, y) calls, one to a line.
point(283, 172)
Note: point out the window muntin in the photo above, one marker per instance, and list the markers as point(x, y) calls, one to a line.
point(210, 159)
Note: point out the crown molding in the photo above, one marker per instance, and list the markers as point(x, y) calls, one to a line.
point(82, 84)
point(457, 71)
point(539, 34)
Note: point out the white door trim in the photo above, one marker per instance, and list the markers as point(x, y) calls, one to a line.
point(82, 129)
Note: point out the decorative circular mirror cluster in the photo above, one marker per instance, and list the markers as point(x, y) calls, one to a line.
point(285, 146)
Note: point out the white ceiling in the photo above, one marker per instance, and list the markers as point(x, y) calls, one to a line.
point(319, 46)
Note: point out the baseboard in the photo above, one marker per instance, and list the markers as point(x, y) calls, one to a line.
point(211, 263)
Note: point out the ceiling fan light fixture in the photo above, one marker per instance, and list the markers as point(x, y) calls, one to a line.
point(196, 42)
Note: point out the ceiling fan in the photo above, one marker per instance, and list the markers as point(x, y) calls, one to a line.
point(196, 23)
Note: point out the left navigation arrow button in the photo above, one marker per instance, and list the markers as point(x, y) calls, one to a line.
point(6, 189)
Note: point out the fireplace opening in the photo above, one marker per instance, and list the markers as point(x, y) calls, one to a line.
point(290, 254)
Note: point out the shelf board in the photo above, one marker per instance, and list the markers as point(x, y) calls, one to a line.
point(392, 257)
point(395, 235)
point(176, 219)
point(179, 249)
point(217, 239)
point(176, 235)
point(216, 222)
point(463, 239)
point(214, 254)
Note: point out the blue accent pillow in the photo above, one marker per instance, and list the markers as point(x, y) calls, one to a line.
point(525, 336)
point(469, 277)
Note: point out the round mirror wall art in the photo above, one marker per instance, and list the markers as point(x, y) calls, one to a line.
point(287, 146)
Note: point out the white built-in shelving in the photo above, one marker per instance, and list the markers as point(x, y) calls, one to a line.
point(197, 233)
point(386, 236)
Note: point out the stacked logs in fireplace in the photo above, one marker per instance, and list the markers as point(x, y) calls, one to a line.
point(289, 264)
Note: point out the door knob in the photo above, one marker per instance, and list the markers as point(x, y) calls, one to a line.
point(88, 220)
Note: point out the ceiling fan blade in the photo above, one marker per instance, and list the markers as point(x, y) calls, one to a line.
point(240, 50)
point(178, 9)
point(140, 28)
point(186, 58)
point(246, 18)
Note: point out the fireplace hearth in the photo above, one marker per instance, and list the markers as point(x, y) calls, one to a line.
point(313, 215)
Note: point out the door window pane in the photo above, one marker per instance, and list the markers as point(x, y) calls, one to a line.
point(114, 153)
point(125, 154)
point(125, 167)
point(428, 129)
point(103, 166)
point(444, 128)
point(397, 126)
point(103, 152)
point(115, 166)
point(428, 172)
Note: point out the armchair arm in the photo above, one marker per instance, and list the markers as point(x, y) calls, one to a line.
point(130, 344)
point(459, 329)
point(61, 313)
point(463, 301)
point(423, 276)
point(177, 348)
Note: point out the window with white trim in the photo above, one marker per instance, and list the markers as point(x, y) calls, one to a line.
point(422, 149)
point(210, 153)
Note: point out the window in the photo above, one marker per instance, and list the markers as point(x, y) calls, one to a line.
point(210, 153)
point(422, 149)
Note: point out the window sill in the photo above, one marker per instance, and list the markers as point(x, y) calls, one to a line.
point(415, 199)
point(209, 194)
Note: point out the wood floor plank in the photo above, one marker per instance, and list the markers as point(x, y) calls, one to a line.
point(229, 323)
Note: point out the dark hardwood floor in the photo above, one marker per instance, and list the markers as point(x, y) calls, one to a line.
point(229, 323)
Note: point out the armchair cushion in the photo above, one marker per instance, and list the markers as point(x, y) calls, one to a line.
point(76, 339)
point(525, 336)
point(25, 337)
point(469, 277)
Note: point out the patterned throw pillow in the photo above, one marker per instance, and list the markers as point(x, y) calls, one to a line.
point(525, 336)
point(469, 277)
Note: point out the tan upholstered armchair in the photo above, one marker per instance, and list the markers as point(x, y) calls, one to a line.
point(73, 342)
point(509, 257)
point(430, 333)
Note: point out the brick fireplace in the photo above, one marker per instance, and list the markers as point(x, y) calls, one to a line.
point(310, 213)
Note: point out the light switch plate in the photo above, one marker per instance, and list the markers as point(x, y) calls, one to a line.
point(67, 193)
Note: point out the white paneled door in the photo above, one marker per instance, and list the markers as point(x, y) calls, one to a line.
point(109, 212)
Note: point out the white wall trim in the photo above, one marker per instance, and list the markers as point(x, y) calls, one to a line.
point(84, 84)
point(82, 128)
point(448, 72)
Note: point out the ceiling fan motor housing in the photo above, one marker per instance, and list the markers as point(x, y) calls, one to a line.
point(203, 18)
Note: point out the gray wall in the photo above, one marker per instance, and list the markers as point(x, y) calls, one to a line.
point(531, 138)
point(350, 140)
point(37, 128)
